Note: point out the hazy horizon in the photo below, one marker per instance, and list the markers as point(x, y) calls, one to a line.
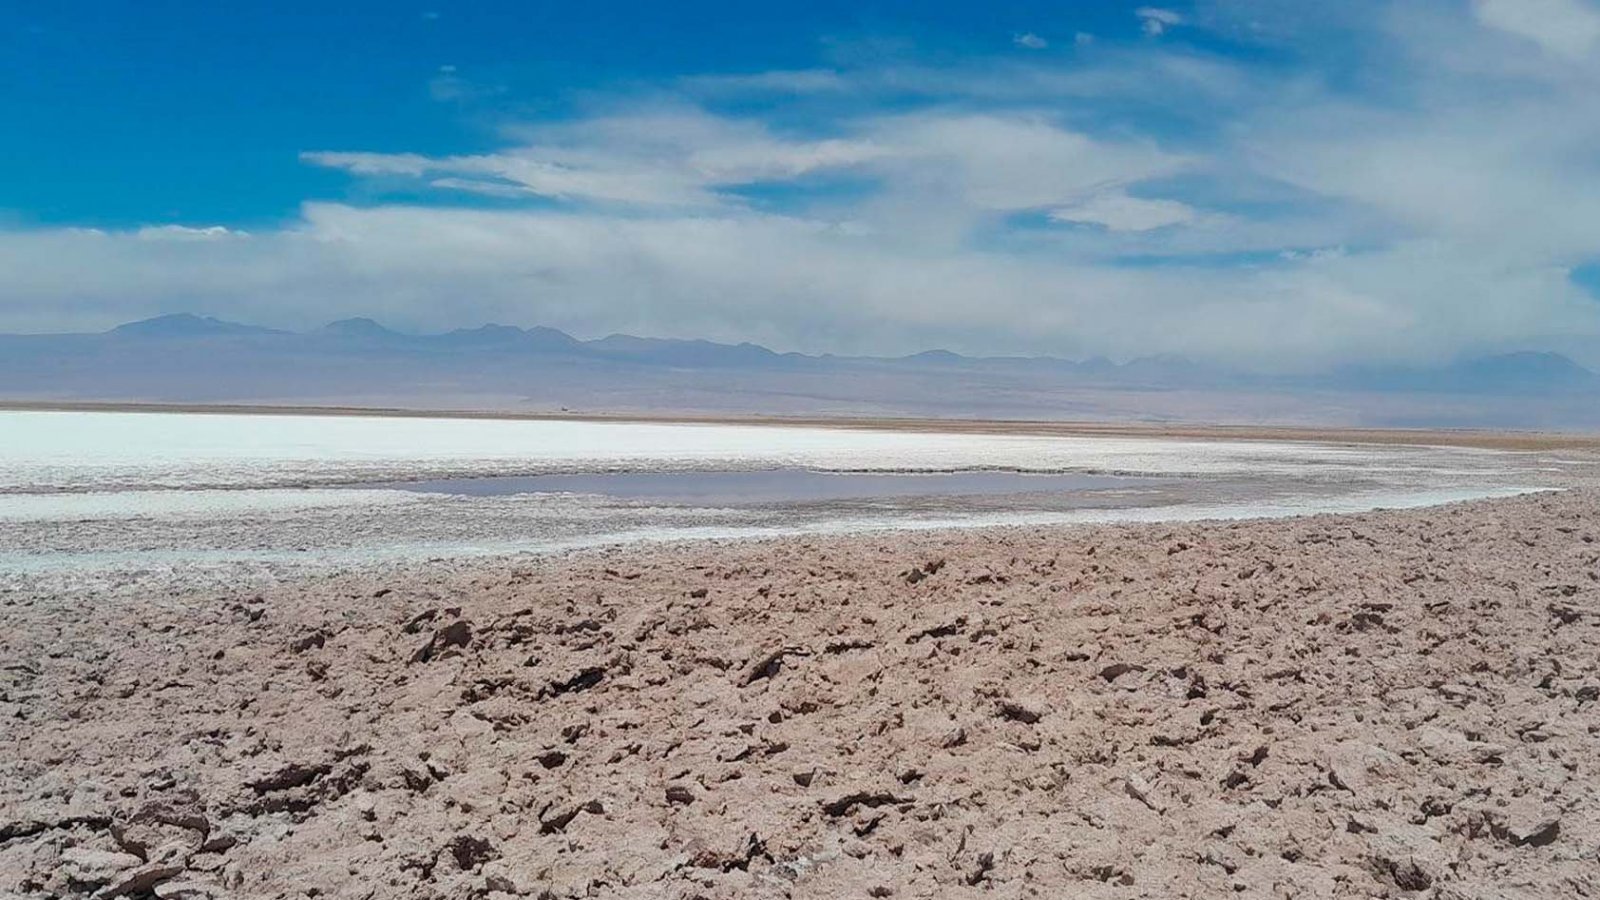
point(187, 360)
point(188, 324)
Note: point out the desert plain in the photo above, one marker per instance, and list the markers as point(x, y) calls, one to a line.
point(1387, 704)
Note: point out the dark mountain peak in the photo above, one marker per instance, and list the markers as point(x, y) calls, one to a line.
point(358, 327)
point(1525, 365)
point(619, 340)
point(940, 357)
point(510, 337)
point(186, 325)
point(1517, 372)
point(1164, 363)
point(679, 352)
point(550, 337)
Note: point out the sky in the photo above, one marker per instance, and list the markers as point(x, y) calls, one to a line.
point(1272, 184)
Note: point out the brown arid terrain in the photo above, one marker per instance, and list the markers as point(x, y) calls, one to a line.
point(1395, 704)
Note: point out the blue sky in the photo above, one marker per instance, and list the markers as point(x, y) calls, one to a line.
point(1280, 184)
point(132, 112)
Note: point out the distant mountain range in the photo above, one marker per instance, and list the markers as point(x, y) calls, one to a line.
point(185, 358)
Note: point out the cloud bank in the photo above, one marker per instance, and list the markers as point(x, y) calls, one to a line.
point(1121, 198)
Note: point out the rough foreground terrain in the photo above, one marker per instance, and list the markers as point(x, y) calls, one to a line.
point(1385, 705)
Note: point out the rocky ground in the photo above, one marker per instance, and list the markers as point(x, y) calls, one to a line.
point(1385, 705)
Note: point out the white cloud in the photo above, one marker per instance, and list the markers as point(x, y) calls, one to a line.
point(480, 186)
point(186, 233)
point(1316, 254)
point(1030, 41)
point(690, 160)
point(672, 158)
point(1009, 162)
point(1155, 21)
point(411, 164)
point(1117, 211)
point(1569, 28)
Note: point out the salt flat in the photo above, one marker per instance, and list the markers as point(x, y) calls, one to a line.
point(93, 499)
point(405, 657)
point(54, 451)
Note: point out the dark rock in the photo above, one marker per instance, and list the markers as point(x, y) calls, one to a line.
point(767, 666)
point(21, 828)
point(554, 819)
point(414, 625)
point(981, 868)
point(740, 858)
point(584, 679)
point(1530, 831)
point(456, 634)
point(289, 776)
point(841, 806)
point(939, 631)
point(1117, 670)
point(1018, 711)
point(1365, 621)
point(1405, 874)
point(470, 852)
point(1565, 615)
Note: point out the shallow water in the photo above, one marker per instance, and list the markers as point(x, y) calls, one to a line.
point(770, 486)
point(119, 496)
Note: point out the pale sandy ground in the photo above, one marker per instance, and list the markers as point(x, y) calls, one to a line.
point(1383, 705)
